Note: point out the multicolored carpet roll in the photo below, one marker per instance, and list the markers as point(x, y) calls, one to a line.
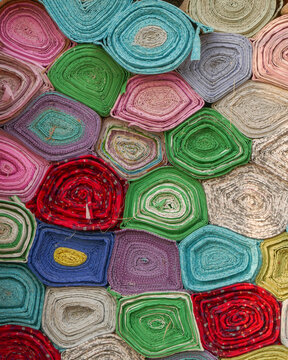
point(250, 201)
point(225, 64)
point(26, 343)
point(56, 127)
point(73, 315)
point(22, 296)
point(274, 271)
point(284, 324)
point(270, 53)
point(143, 262)
point(191, 355)
point(21, 170)
point(153, 37)
point(85, 21)
point(213, 257)
point(88, 74)
point(81, 194)
point(166, 202)
point(267, 353)
point(256, 109)
point(28, 33)
point(158, 324)
point(17, 231)
point(63, 257)
point(207, 145)
point(156, 102)
point(237, 319)
point(102, 346)
point(20, 81)
point(244, 17)
point(132, 152)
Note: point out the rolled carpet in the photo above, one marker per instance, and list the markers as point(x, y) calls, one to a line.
point(88, 74)
point(74, 315)
point(166, 202)
point(131, 151)
point(191, 355)
point(237, 319)
point(284, 324)
point(207, 145)
point(267, 353)
point(81, 194)
point(17, 231)
point(156, 102)
point(225, 64)
point(62, 257)
point(158, 324)
point(56, 127)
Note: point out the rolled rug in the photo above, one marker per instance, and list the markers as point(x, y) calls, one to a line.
point(166, 202)
point(213, 257)
point(284, 324)
point(26, 343)
point(156, 102)
point(62, 257)
point(22, 296)
point(88, 74)
point(153, 37)
point(191, 355)
point(99, 348)
point(21, 170)
point(17, 231)
point(74, 315)
point(143, 262)
point(245, 17)
point(207, 145)
point(28, 33)
point(131, 151)
point(267, 353)
point(225, 64)
point(81, 194)
point(237, 319)
point(158, 324)
point(256, 109)
point(250, 201)
point(56, 127)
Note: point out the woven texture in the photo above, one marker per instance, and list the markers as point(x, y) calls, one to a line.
point(226, 63)
point(56, 127)
point(62, 257)
point(143, 262)
point(249, 200)
point(158, 324)
point(72, 316)
point(81, 194)
point(284, 324)
point(165, 202)
point(88, 74)
point(156, 102)
point(213, 257)
point(237, 319)
point(132, 152)
point(207, 145)
point(191, 355)
point(267, 353)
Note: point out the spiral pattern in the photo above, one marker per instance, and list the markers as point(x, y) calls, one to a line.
point(88, 74)
point(191, 355)
point(72, 316)
point(284, 324)
point(132, 152)
point(62, 257)
point(225, 64)
point(157, 102)
point(81, 194)
point(56, 127)
point(250, 201)
point(256, 109)
point(158, 324)
point(267, 353)
point(165, 202)
point(237, 319)
point(207, 145)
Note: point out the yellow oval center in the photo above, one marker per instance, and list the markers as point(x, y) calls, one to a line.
point(69, 257)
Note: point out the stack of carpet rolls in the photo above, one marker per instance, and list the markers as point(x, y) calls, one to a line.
point(143, 179)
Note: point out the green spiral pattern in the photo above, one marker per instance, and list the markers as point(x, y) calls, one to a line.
point(158, 324)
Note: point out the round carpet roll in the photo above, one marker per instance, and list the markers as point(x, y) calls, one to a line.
point(56, 127)
point(225, 64)
point(190, 355)
point(74, 315)
point(267, 353)
point(284, 324)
